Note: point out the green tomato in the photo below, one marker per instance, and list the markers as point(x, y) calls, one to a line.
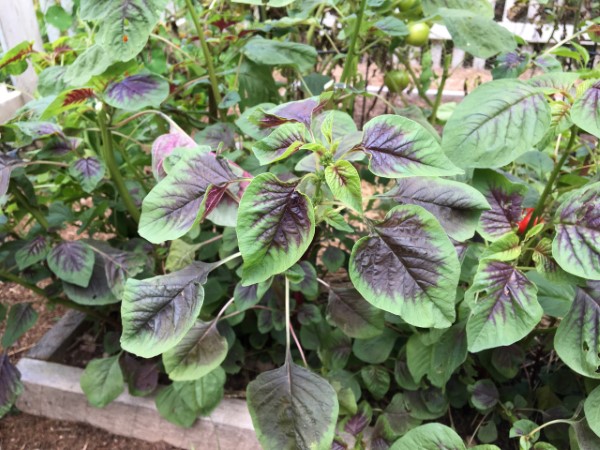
point(406, 5)
point(418, 34)
point(396, 81)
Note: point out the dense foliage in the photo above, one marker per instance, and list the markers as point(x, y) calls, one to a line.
point(219, 196)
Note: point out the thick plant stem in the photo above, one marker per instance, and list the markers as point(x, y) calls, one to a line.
point(311, 30)
point(212, 75)
point(349, 69)
point(113, 169)
point(539, 209)
point(440, 92)
point(36, 213)
point(415, 80)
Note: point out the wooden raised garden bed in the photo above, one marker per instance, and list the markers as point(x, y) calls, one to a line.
point(52, 389)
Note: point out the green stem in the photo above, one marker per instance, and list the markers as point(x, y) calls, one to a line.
point(113, 169)
point(287, 320)
point(349, 69)
point(311, 30)
point(212, 75)
point(539, 209)
point(15, 279)
point(416, 82)
point(24, 202)
point(438, 97)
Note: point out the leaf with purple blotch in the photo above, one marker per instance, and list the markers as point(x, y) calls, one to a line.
point(88, 171)
point(201, 350)
point(173, 205)
point(158, 312)
point(577, 339)
point(344, 182)
point(510, 65)
point(351, 313)
point(276, 224)
point(21, 318)
point(506, 201)
point(408, 267)
point(248, 296)
point(141, 375)
point(217, 134)
point(585, 112)
point(576, 246)
point(309, 285)
point(32, 252)
point(68, 100)
point(359, 421)
point(300, 111)
point(281, 143)
point(504, 308)
point(457, 206)
point(137, 91)
point(97, 292)
point(10, 384)
point(164, 145)
point(399, 147)
point(36, 130)
point(6, 165)
point(484, 395)
point(72, 261)
point(547, 266)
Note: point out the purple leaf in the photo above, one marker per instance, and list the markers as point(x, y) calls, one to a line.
point(585, 112)
point(164, 145)
point(32, 252)
point(217, 134)
point(457, 206)
point(409, 267)
point(281, 143)
point(576, 246)
point(352, 314)
point(275, 226)
point(141, 374)
point(506, 201)
point(88, 171)
point(10, 384)
point(171, 208)
point(300, 111)
point(73, 262)
point(137, 91)
point(577, 340)
point(484, 395)
point(399, 147)
point(359, 421)
point(506, 309)
point(96, 292)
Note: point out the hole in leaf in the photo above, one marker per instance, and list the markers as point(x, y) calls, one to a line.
point(586, 347)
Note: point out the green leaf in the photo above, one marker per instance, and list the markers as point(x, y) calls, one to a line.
point(333, 258)
point(507, 248)
point(10, 384)
point(58, 17)
point(351, 313)
point(92, 62)
point(21, 318)
point(158, 312)
point(200, 351)
point(281, 143)
point(585, 112)
point(506, 309)
point(495, 124)
point(577, 339)
point(344, 182)
point(276, 53)
point(484, 395)
point(124, 24)
point(556, 299)
point(399, 147)
point(276, 224)
point(481, 7)
point(591, 407)
point(102, 381)
point(375, 350)
point(480, 36)
point(392, 26)
point(396, 419)
point(576, 246)
point(431, 436)
point(292, 407)
point(408, 267)
point(457, 206)
point(73, 262)
point(376, 379)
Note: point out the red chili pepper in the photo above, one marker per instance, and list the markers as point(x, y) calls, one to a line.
point(524, 223)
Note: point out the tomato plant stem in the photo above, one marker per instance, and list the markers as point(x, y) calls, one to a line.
point(350, 68)
point(287, 319)
point(440, 92)
point(113, 169)
point(214, 84)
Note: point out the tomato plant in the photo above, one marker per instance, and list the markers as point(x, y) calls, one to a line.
point(227, 217)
